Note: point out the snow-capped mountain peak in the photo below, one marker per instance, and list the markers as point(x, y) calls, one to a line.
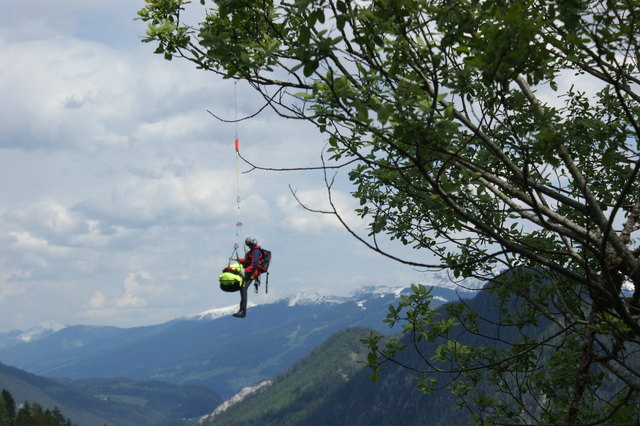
point(380, 291)
point(41, 330)
point(312, 298)
point(306, 298)
point(14, 337)
point(217, 312)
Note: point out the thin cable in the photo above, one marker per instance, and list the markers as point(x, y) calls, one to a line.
point(237, 146)
point(235, 106)
point(238, 222)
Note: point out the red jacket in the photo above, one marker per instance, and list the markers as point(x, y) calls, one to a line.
point(251, 261)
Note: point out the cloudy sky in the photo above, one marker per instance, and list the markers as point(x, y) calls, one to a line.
point(118, 189)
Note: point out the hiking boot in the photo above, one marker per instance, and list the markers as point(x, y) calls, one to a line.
point(240, 314)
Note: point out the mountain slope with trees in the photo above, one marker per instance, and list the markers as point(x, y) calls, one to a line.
point(118, 402)
point(28, 413)
point(80, 408)
point(312, 392)
point(296, 394)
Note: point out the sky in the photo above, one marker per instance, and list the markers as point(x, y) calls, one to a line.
point(118, 188)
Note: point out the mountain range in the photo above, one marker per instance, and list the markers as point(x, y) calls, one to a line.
point(298, 361)
point(17, 337)
point(210, 349)
point(333, 386)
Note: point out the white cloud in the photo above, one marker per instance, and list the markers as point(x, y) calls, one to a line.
point(82, 95)
point(118, 189)
point(137, 201)
point(136, 285)
point(39, 248)
point(49, 219)
point(300, 220)
point(172, 129)
point(138, 288)
point(97, 301)
point(8, 290)
point(61, 96)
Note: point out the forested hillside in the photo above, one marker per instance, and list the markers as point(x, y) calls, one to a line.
point(118, 402)
point(332, 385)
point(31, 414)
point(297, 394)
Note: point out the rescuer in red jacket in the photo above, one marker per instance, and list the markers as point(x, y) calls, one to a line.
point(250, 262)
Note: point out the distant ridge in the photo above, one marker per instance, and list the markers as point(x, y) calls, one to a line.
point(305, 298)
point(16, 337)
point(212, 348)
point(80, 408)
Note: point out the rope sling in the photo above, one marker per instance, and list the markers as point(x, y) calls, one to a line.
point(235, 254)
point(236, 245)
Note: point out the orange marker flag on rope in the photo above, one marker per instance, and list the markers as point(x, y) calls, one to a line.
point(237, 145)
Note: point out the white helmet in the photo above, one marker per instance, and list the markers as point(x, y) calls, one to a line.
point(251, 241)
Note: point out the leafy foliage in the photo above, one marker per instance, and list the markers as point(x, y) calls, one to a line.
point(448, 108)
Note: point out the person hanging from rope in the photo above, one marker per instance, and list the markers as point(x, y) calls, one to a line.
point(251, 263)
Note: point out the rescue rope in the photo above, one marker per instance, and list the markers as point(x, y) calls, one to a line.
point(236, 245)
point(235, 254)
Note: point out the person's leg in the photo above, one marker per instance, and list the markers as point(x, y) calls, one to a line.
point(243, 299)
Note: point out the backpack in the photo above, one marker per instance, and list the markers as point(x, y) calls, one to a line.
point(264, 261)
point(263, 267)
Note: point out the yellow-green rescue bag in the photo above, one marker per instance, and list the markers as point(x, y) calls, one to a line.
point(232, 278)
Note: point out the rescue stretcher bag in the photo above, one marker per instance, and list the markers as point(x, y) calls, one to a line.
point(232, 278)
